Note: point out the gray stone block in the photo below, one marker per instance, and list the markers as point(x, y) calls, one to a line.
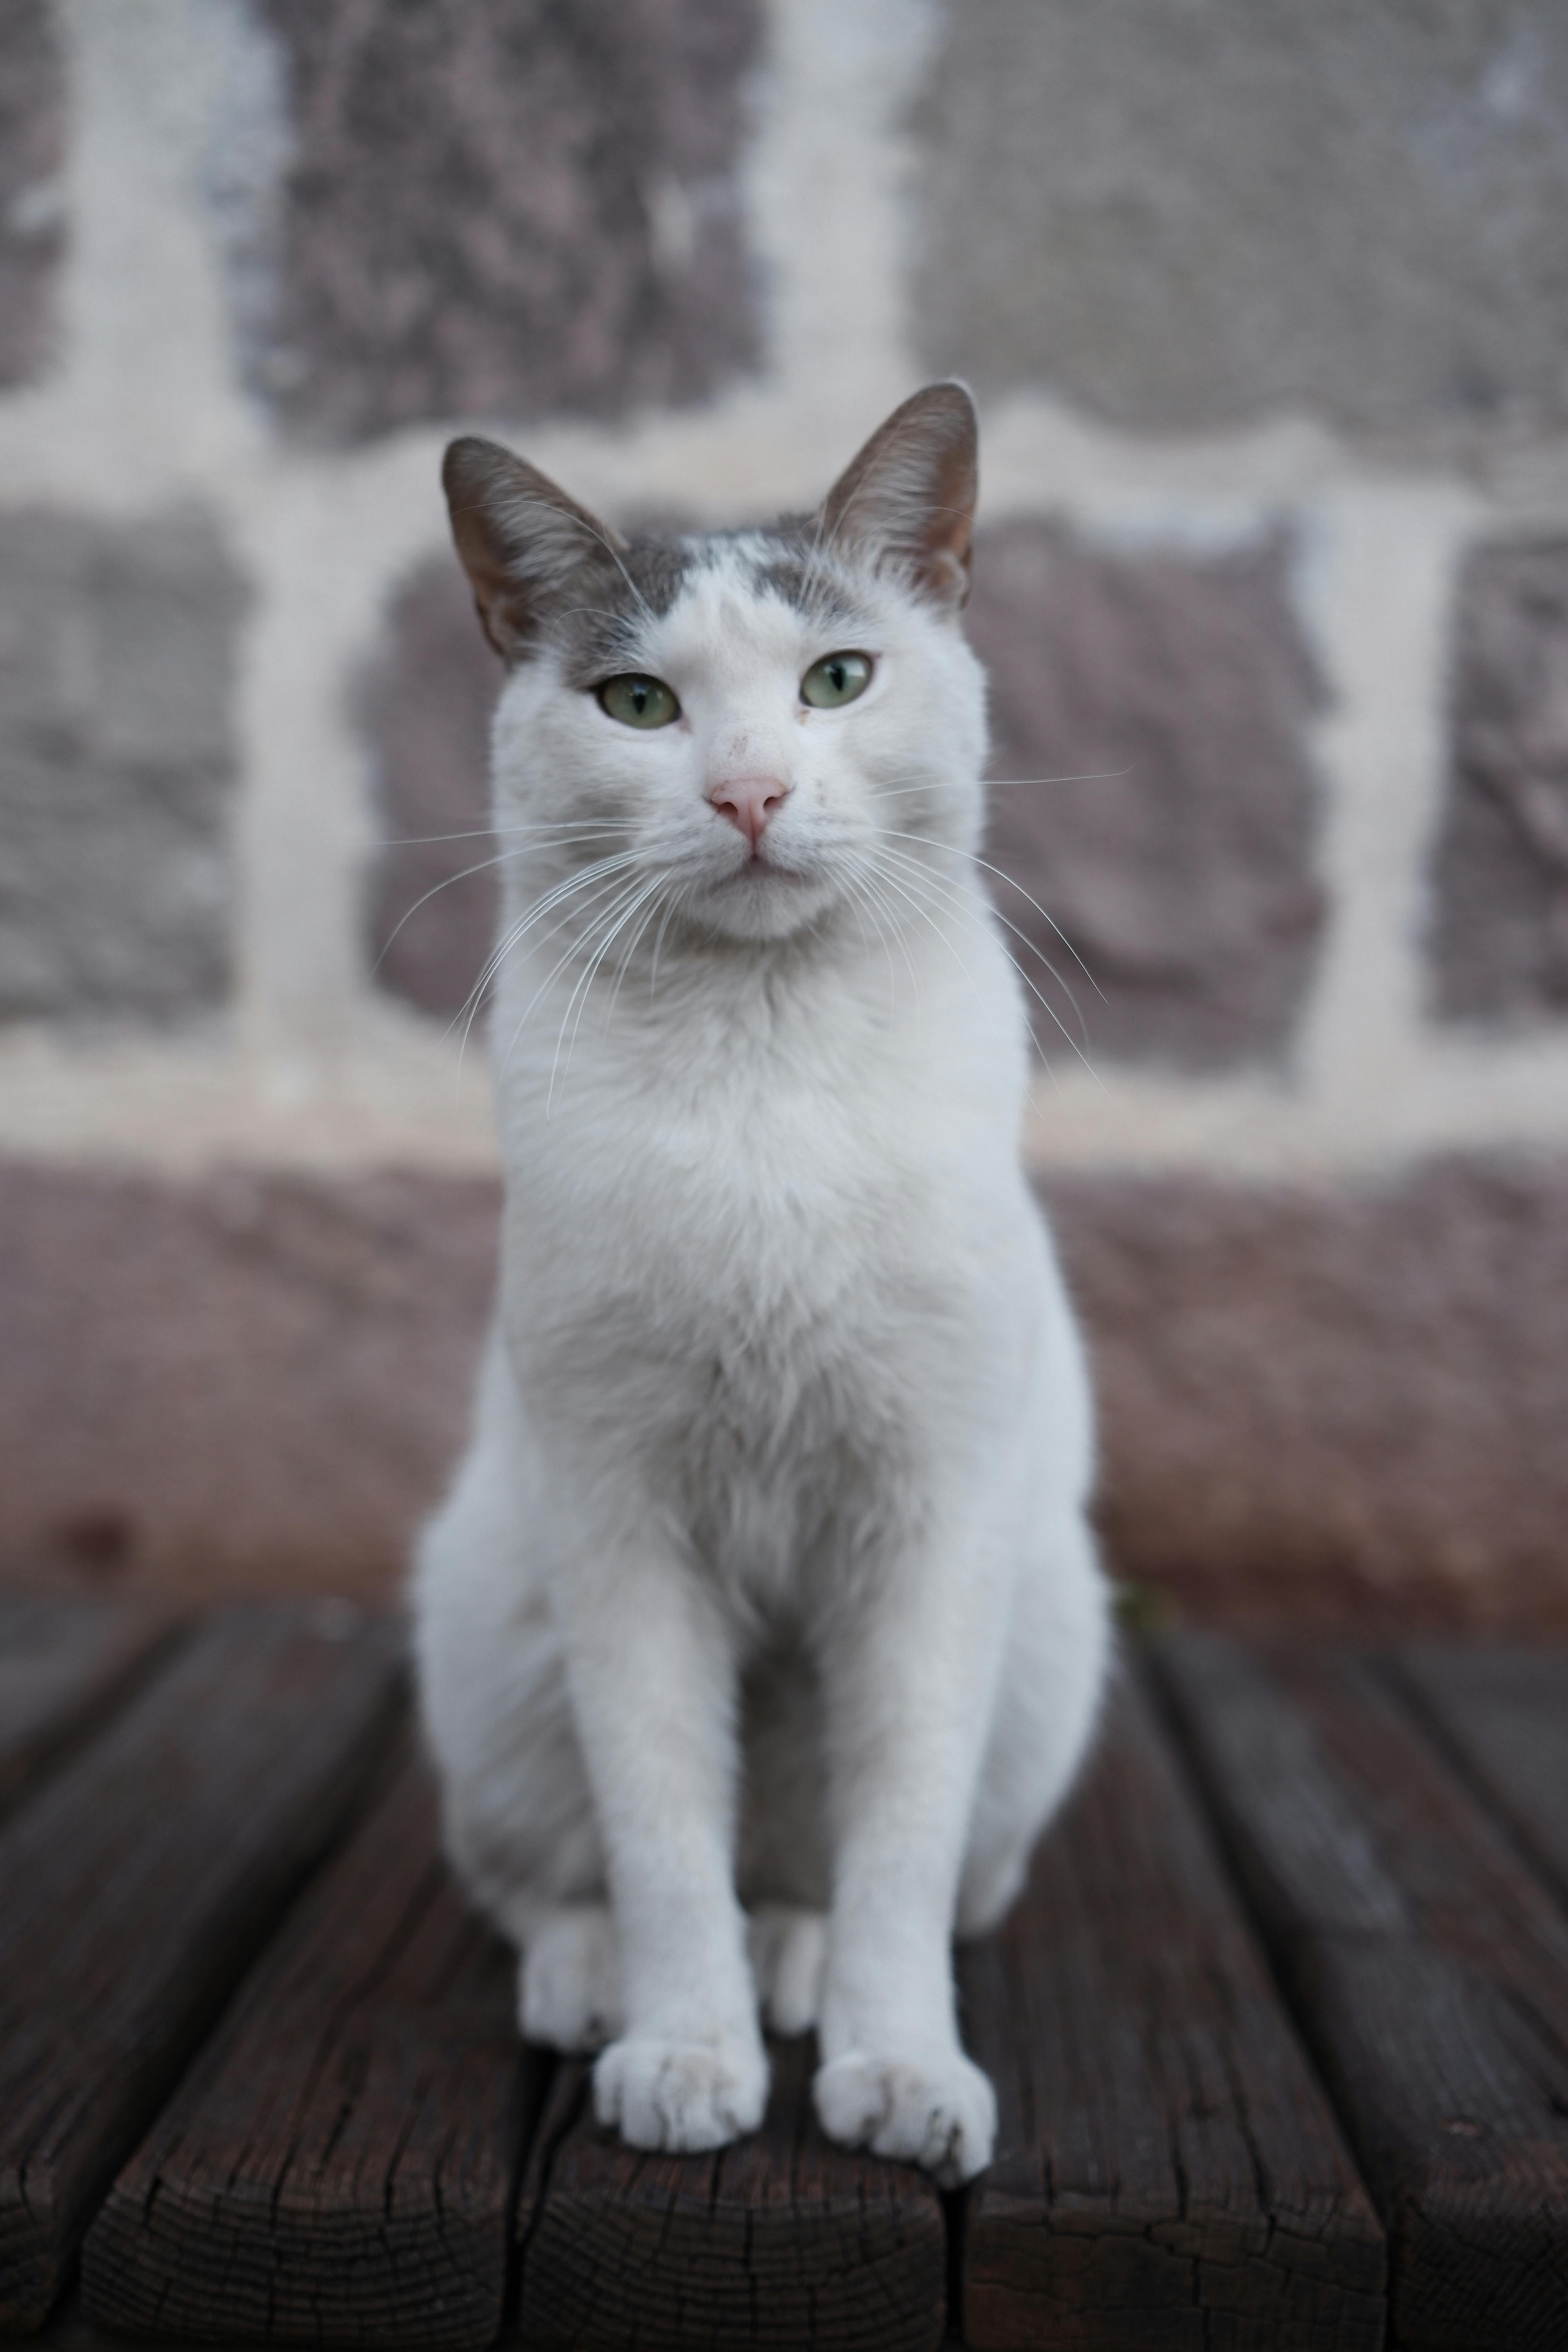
point(1181, 868)
point(427, 702)
point(1499, 906)
point(32, 149)
point(116, 675)
point(510, 210)
point(1187, 212)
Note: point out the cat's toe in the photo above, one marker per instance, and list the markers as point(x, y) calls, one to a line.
point(681, 2096)
point(788, 1947)
point(939, 2112)
point(569, 1985)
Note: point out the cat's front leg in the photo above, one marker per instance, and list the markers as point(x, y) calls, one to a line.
point(909, 1684)
point(653, 1684)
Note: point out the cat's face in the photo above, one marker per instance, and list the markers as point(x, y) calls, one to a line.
point(756, 721)
point(760, 724)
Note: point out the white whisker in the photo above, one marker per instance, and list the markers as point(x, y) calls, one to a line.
point(1009, 925)
point(1042, 1001)
point(620, 897)
point(584, 988)
point(1003, 875)
point(595, 873)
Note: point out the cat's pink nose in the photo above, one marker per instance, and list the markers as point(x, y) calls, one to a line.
point(749, 802)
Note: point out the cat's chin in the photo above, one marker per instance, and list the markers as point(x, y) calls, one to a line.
point(763, 902)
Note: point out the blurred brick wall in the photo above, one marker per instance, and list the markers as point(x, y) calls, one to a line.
point(1268, 314)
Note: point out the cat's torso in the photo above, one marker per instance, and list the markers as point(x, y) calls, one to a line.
point(777, 1248)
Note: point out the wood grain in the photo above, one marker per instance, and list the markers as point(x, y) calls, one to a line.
point(1502, 1712)
point(339, 2163)
point(781, 2239)
point(137, 1884)
point(1168, 2171)
point(1429, 1967)
point(65, 1661)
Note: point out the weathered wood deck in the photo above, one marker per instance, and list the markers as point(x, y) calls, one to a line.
point(1280, 2032)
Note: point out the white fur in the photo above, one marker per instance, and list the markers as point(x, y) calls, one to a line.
point(765, 1580)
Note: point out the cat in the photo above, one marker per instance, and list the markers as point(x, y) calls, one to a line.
point(763, 1628)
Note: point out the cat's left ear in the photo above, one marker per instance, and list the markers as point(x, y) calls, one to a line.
point(909, 495)
point(520, 538)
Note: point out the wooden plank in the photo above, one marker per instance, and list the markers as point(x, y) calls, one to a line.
point(139, 1881)
point(1168, 2171)
point(1502, 1711)
point(65, 1661)
point(781, 2239)
point(69, 2330)
point(339, 2165)
point(1429, 1967)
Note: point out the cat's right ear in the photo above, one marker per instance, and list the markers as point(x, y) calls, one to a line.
point(519, 537)
point(909, 495)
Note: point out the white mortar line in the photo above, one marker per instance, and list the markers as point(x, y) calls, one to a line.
point(1378, 582)
point(143, 405)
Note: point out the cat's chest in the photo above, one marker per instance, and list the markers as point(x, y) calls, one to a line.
point(772, 1236)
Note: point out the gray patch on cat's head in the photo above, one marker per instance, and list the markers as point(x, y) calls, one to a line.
point(595, 626)
point(795, 562)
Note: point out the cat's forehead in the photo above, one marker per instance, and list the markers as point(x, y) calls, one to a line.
point(761, 587)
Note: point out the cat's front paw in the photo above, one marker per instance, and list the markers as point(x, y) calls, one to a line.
point(681, 2096)
point(940, 2113)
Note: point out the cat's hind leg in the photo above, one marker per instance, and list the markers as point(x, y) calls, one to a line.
point(1044, 1715)
point(783, 1866)
point(569, 1984)
point(787, 1946)
point(518, 1812)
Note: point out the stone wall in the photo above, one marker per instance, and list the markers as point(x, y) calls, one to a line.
point(1268, 314)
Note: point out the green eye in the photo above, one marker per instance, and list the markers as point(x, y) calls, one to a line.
point(836, 679)
point(639, 701)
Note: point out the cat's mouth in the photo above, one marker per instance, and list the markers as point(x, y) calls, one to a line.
point(762, 867)
point(764, 898)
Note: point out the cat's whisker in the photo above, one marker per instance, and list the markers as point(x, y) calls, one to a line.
point(620, 897)
point(653, 894)
point(585, 989)
point(998, 784)
point(1003, 875)
point(603, 872)
point(863, 895)
point(1089, 776)
point(926, 915)
point(561, 891)
point(856, 902)
point(1019, 934)
point(569, 825)
point(678, 901)
point(861, 905)
point(970, 915)
point(867, 874)
point(1043, 1003)
point(503, 857)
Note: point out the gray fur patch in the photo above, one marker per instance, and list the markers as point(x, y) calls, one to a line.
point(595, 626)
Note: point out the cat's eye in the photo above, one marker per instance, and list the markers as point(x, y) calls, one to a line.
point(835, 679)
point(639, 701)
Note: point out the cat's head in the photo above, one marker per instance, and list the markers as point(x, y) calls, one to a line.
point(763, 719)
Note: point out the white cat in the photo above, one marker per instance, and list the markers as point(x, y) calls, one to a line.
point(765, 1582)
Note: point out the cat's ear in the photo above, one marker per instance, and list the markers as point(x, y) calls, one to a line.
point(520, 538)
point(909, 495)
